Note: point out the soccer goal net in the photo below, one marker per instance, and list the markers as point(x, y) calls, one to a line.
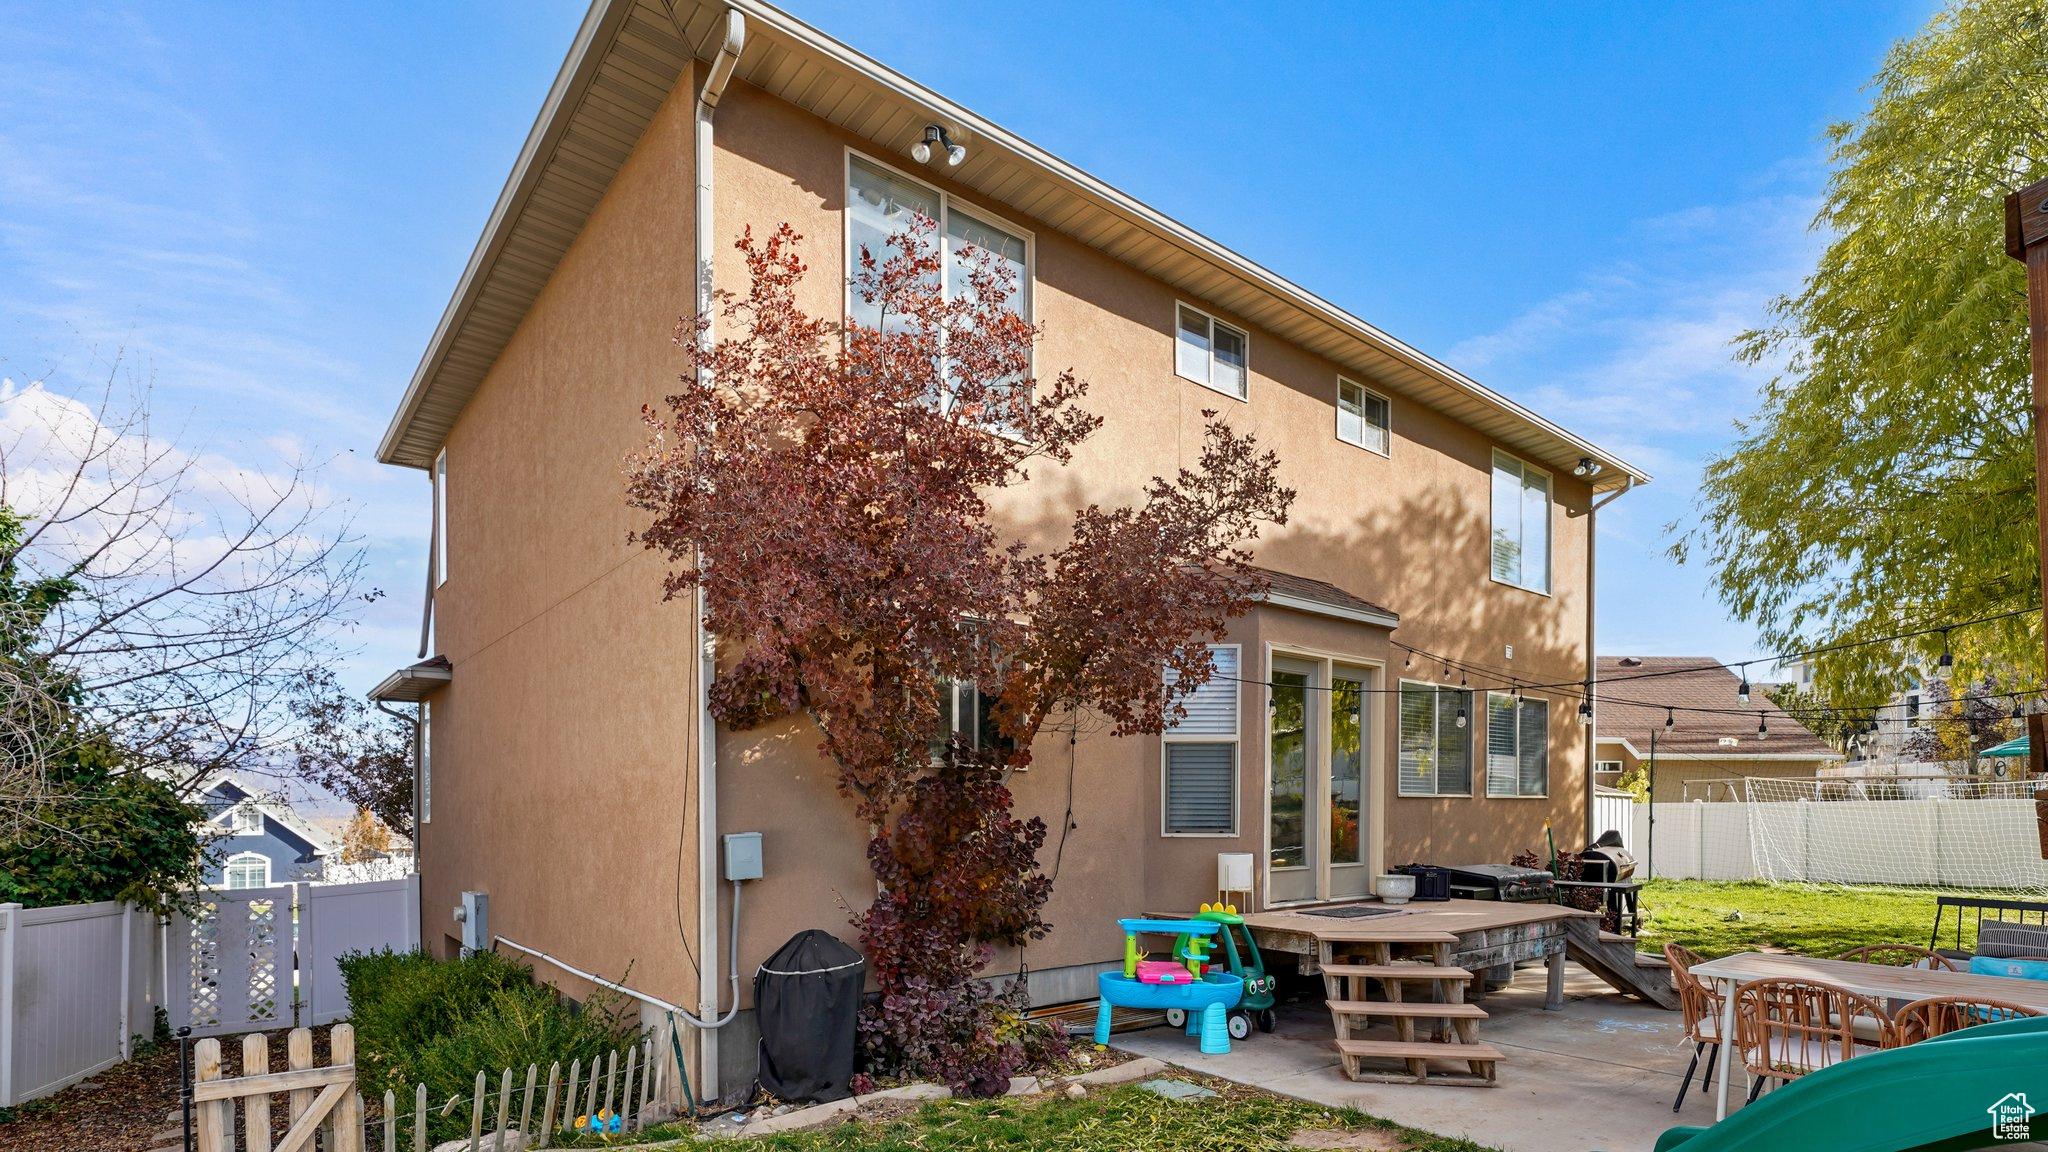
point(1934, 831)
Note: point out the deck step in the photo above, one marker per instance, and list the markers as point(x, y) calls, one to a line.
point(1397, 971)
point(1418, 1050)
point(1615, 960)
point(1406, 1008)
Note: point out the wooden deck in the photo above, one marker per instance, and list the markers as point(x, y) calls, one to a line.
point(1482, 933)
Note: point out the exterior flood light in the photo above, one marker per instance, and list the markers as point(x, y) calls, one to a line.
point(936, 137)
point(1587, 467)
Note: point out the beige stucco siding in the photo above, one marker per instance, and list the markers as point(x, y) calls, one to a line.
point(562, 745)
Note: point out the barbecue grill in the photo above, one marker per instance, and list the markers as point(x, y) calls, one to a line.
point(1501, 882)
point(1607, 862)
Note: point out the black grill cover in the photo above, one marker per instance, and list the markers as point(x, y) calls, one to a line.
point(806, 997)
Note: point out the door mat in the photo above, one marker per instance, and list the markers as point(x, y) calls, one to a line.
point(1353, 911)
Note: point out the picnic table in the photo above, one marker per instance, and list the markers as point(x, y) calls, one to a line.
point(1895, 986)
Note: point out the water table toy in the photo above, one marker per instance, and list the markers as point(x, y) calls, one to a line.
point(1204, 997)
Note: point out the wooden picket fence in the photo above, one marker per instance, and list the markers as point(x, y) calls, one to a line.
point(320, 1098)
point(326, 1099)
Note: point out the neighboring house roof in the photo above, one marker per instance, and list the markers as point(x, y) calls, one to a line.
point(1631, 698)
point(624, 63)
point(413, 682)
point(1302, 594)
point(239, 793)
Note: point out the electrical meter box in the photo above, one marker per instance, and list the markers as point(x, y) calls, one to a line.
point(743, 856)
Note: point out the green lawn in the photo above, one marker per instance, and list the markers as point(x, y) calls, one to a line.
point(1126, 1117)
point(1810, 921)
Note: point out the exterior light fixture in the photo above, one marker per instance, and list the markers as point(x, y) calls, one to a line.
point(1668, 721)
point(1742, 693)
point(1585, 712)
point(1587, 467)
point(1762, 732)
point(1461, 715)
point(1947, 661)
point(936, 137)
point(2018, 712)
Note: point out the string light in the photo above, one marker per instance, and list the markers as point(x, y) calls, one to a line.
point(1762, 733)
point(1947, 661)
point(1668, 721)
point(1742, 693)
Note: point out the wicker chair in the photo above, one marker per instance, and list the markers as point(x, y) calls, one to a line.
point(1699, 1005)
point(1940, 1015)
point(1785, 1029)
point(1899, 956)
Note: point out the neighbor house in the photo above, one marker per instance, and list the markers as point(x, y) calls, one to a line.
point(254, 839)
point(1706, 734)
point(1440, 546)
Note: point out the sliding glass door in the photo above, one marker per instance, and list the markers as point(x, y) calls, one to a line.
point(1319, 805)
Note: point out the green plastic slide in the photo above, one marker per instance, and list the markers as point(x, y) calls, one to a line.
point(1943, 1095)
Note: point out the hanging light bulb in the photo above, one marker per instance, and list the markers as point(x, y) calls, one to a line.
point(1585, 711)
point(1947, 661)
point(1742, 693)
point(2018, 711)
point(1667, 720)
point(1407, 659)
point(1461, 715)
point(1762, 732)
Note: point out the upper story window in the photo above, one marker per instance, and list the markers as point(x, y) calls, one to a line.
point(441, 518)
point(1210, 352)
point(880, 204)
point(1364, 417)
point(1521, 524)
point(245, 818)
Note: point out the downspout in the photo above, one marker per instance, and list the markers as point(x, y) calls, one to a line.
point(1592, 657)
point(715, 80)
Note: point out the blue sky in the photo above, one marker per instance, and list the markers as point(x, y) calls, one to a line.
point(262, 209)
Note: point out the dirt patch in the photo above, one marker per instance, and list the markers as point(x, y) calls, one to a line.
point(1372, 1139)
point(115, 1110)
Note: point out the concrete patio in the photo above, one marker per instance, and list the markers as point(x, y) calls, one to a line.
point(1598, 1074)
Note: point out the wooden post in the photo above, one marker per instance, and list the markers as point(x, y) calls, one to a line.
point(476, 1112)
point(646, 1080)
point(299, 1056)
point(504, 1108)
point(213, 1135)
point(590, 1094)
point(626, 1085)
point(569, 1097)
point(526, 1101)
point(547, 1112)
point(419, 1119)
point(256, 1109)
point(390, 1120)
point(2026, 240)
point(611, 1076)
point(346, 1120)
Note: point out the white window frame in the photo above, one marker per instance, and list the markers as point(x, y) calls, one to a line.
point(1549, 514)
point(1609, 767)
point(441, 517)
point(1236, 742)
point(1344, 382)
point(228, 866)
point(946, 206)
point(1487, 756)
point(245, 819)
point(1215, 322)
point(1471, 724)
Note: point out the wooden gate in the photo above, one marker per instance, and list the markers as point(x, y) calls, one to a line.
point(321, 1098)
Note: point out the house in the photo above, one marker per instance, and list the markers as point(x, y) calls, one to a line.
point(1707, 734)
point(1441, 545)
point(254, 839)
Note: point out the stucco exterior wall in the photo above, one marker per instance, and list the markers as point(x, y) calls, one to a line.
point(563, 777)
point(563, 772)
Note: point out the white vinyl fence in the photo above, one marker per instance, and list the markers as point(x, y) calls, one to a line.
point(1964, 843)
point(254, 958)
point(78, 984)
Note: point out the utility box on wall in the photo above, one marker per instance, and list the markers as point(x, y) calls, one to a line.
point(743, 856)
point(474, 914)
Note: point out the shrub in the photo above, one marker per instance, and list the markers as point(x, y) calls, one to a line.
point(440, 1022)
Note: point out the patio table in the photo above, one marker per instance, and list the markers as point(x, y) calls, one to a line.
point(1895, 986)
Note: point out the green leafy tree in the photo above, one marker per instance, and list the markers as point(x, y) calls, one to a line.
point(1886, 485)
